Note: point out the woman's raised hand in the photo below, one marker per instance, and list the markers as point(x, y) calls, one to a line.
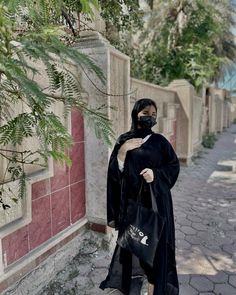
point(147, 174)
point(129, 145)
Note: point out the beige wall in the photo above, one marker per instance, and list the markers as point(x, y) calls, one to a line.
point(165, 100)
point(19, 212)
point(232, 114)
point(216, 109)
point(119, 89)
point(196, 114)
point(185, 93)
point(197, 122)
point(114, 97)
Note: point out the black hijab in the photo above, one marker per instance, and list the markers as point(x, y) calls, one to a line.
point(136, 132)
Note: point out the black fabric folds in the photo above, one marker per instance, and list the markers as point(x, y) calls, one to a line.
point(126, 271)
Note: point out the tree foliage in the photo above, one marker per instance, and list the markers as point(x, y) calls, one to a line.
point(34, 33)
point(125, 15)
point(184, 39)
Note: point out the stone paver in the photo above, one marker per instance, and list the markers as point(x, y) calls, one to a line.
point(232, 280)
point(221, 289)
point(187, 290)
point(204, 200)
point(220, 277)
point(205, 196)
point(201, 283)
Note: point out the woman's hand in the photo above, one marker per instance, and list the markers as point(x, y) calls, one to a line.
point(129, 145)
point(147, 174)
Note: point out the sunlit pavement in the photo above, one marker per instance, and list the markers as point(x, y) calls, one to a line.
point(204, 201)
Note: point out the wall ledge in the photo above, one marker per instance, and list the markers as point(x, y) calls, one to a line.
point(17, 271)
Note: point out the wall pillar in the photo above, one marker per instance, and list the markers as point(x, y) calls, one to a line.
point(116, 68)
point(184, 144)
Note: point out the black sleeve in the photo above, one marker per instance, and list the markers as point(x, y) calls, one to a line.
point(114, 180)
point(169, 170)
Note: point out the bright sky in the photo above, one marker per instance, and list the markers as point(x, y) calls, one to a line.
point(230, 79)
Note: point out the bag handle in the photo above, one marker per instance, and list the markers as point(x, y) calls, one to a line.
point(153, 199)
point(154, 203)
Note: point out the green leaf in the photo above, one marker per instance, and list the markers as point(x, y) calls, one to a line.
point(36, 47)
point(87, 6)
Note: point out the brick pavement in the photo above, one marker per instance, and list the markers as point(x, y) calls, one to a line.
point(204, 201)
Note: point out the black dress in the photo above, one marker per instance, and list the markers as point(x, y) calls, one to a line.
point(126, 271)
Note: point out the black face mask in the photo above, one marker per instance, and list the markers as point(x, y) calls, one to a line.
point(146, 122)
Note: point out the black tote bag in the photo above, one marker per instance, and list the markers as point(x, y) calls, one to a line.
point(142, 229)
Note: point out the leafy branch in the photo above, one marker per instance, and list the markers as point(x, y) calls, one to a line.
point(34, 46)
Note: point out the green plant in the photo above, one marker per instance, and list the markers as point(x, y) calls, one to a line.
point(125, 15)
point(208, 140)
point(184, 40)
point(33, 37)
point(234, 121)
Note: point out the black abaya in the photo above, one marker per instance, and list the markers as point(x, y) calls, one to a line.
point(126, 272)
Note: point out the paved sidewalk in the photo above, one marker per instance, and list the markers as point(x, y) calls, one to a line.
point(204, 201)
point(205, 212)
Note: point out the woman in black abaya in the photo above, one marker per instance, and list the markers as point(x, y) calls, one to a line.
point(138, 155)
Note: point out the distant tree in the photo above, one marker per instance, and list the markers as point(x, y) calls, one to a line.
point(184, 39)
